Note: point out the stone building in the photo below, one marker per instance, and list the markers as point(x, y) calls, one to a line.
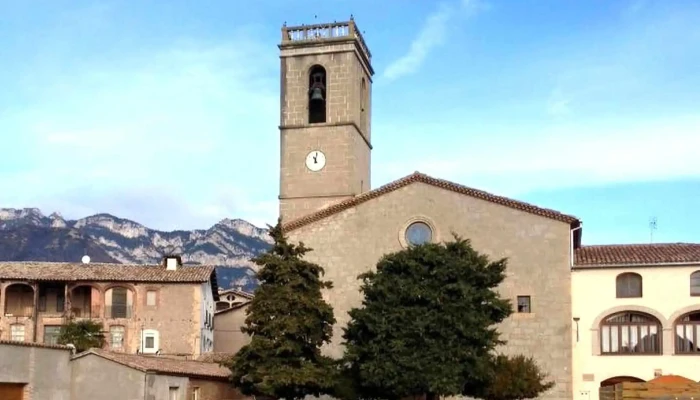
point(326, 201)
point(166, 308)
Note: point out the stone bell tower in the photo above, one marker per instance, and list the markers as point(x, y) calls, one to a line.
point(325, 129)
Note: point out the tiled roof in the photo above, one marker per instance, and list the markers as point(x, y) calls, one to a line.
point(215, 357)
point(637, 254)
point(31, 344)
point(163, 365)
point(237, 292)
point(53, 271)
point(422, 178)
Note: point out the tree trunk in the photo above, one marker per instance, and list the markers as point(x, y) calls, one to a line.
point(431, 396)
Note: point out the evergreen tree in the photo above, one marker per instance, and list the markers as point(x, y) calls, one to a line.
point(83, 334)
point(515, 378)
point(426, 326)
point(288, 322)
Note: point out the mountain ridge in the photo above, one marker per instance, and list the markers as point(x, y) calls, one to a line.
point(27, 234)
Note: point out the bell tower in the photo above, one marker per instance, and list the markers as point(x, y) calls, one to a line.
point(326, 80)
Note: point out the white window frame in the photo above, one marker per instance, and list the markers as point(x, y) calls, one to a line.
point(147, 333)
point(14, 335)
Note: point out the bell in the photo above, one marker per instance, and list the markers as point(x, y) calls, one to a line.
point(317, 94)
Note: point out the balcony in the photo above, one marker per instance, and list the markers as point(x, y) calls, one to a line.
point(118, 311)
point(19, 311)
point(87, 312)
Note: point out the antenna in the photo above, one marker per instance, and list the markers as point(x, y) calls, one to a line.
point(652, 228)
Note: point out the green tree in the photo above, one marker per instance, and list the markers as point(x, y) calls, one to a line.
point(83, 334)
point(427, 323)
point(515, 378)
point(288, 322)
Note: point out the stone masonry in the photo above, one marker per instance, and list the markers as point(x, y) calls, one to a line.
point(351, 242)
point(348, 241)
point(345, 136)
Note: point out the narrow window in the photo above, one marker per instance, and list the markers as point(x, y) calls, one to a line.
point(317, 95)
point(695, 283)
point(628, 285)
point(17, 332)
point(195, 393)
point(524, 304)
point(363, 104)
point(116, 337)
point(174, 393)
point(151, 298)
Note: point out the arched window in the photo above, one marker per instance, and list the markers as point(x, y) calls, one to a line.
point(118, 302)
point(628, 285)
point(363, 104)
point(317, 95)
point(19, 300)
point(630, 333)
point(695, 283)
point(688, 334)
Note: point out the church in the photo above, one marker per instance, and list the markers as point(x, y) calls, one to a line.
point(326, 201)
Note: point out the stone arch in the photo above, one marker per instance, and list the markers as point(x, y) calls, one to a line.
point(18, 298)
point(682, 312)
point(595, 326)
point(618, 309)
point(618, 379)
point(86, 303)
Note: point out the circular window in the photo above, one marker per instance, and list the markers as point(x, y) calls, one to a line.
point(418, 233)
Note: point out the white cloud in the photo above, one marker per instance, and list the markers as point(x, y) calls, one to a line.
point(150, 135)
point(432, 34)
point(563, 156)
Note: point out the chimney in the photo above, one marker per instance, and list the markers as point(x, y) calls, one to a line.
point(172, 263)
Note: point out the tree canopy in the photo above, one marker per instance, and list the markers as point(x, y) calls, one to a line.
point(83, 334)
point(427, 323)
point(288, 322)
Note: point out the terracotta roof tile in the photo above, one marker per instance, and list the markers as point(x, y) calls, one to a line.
point(637, 254)
point(32, 344)
point(44, 271)
point(215, 357)
point(163, 365)
point(422, 178)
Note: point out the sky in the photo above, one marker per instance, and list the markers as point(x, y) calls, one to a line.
point(167, 112)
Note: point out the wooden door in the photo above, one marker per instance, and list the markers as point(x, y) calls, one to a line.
point(11, 391)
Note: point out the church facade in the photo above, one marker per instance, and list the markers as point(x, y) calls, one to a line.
point(326, 201)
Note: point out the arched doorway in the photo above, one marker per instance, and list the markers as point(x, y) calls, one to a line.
point(619, 379)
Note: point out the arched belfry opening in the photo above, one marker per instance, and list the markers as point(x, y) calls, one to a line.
point(317, 95)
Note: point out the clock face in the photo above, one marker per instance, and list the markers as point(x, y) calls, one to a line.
point(315, 161)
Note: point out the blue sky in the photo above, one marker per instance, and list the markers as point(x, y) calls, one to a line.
point(166, 112)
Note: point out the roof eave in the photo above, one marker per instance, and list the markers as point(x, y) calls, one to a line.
point(637, 265)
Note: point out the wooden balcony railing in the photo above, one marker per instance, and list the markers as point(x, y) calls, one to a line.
point(26, 311)
point(118, 311)
point(86, 312)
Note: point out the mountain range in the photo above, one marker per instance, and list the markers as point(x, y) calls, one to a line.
point(29, 235)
